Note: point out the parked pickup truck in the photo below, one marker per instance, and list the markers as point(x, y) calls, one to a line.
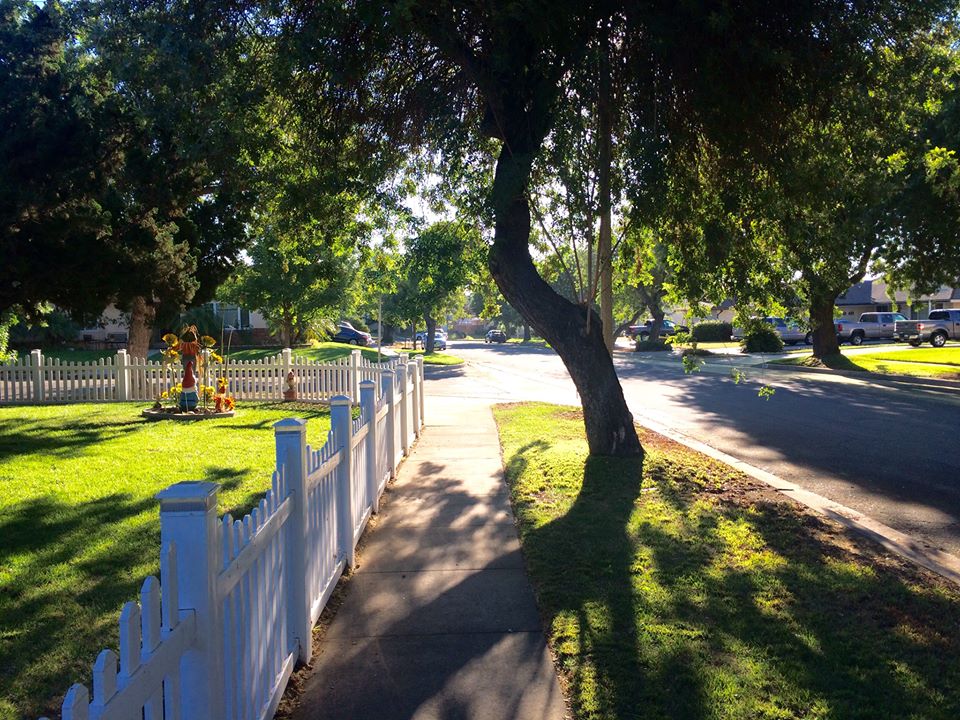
point(942, 325)
point(871, 326)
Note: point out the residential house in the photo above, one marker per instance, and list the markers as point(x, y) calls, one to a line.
point(872, 296)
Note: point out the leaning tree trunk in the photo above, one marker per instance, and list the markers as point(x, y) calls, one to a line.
point(431, 324)
point(142, 316)
point(825, 340)
point(657, 326)
point(609, 424)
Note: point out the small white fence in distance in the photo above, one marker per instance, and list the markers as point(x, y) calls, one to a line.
point(217, 637)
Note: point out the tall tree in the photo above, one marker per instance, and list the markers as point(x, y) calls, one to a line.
point(452, 76)
point(439, 263)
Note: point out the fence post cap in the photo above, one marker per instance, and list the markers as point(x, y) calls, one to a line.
point(188, 496)
point(367, 384)
point(340, 400)
point(289, 425)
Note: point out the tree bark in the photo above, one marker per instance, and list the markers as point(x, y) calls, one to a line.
point(657, 314)
point(431, 324)
point(142, 316)
point(526, 332)
point(609, 424)
point(825, 340)
point(605, 161)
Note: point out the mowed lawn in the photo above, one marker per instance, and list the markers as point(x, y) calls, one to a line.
point(917, 362)
point(80, 529)
point(687, 590)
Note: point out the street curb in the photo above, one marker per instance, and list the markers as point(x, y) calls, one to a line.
point(920, 553)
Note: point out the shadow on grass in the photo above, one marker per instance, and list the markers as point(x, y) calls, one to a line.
point(67, 569)
point(582, 563)
point(693, 599)
point(21, 435)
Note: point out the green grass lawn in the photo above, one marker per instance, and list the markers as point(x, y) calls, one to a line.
point(437, 358)
point(72, 355)
point(889, 363)
point(937, 356)
point(80, 528)
point(321, 352)
point(687, 590)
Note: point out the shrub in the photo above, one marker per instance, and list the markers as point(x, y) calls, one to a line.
point(759, 336)
point(712, 331)
point(652, 346)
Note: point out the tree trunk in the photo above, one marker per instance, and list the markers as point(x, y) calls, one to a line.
point(431, 324)
point(825, 340)
point(609, 424)
point(142, 316)
point(657, 314)
point(604, 243)
point(526, 332)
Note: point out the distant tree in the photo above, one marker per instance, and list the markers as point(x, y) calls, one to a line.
point(438, 264)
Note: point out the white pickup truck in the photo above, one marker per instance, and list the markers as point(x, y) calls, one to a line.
point(871, 326)
point(942, 325)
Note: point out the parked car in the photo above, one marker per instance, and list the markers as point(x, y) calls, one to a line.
point(439, 339)
point(642, 332)
point(347, 333)
point(495, 336)
point(790, 331)
point(942, 325)
point(871, 326)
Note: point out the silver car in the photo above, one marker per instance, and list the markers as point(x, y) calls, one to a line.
point(790, 332)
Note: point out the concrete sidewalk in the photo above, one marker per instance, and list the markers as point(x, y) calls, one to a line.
point(439, 621)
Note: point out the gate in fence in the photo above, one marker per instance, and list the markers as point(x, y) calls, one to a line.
point(217, 637)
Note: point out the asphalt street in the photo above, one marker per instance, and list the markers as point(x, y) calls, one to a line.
point(887, 450)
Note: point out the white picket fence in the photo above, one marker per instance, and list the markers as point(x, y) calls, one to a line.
point(37, 379)
point(218, 636)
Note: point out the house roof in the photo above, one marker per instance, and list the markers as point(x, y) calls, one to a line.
point(874, 292)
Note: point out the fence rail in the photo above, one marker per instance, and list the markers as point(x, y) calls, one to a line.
point(218, 636)
point(36, 379)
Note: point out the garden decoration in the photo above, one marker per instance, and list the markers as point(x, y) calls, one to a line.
point(191, 398)
point(291, 392)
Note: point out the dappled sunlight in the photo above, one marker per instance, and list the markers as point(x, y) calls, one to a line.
point(705, 595)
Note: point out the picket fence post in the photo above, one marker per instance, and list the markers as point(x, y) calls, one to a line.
point(287, 360)
point(415, 400)
point(342, 425)
point(355, 376)
point(188, 518)
point(36, 373)
point(291, 446)
point(368, 410)
point(419, 360)
point(123, 375)
point(386, 380)
point(404, 428)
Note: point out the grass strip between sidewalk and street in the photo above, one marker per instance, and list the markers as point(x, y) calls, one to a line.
point(437, 358)
point(80, 527)
point(892, 363)
point(688, 590)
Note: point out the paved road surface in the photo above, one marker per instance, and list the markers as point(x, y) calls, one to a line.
point(888, 451)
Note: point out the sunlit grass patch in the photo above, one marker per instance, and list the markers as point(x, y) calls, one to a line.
point(686, 590)
point(80, 526)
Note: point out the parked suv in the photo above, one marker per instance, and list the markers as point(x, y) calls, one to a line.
point(495, 336)
point(668, 327)
point(347, 333)
point(942, 325)
point(439, 338)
